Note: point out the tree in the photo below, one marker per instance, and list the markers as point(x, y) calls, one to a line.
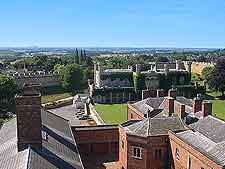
point(206, 72)
point(216, 79)
point(8, 89)
point(72, 77)
point(81, 57)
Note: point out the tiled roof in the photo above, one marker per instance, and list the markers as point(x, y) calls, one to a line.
point(214, 151)
point(58, 150)
point(155, 126)
point(211, 127)
point(154, 103)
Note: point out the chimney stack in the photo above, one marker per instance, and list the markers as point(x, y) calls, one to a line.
point(197, 104)
point(181, 111)
point(28, 110)
point(148, 93)
point(172, 93)
point(161, 93)
point(206, 108)
point(169, 105)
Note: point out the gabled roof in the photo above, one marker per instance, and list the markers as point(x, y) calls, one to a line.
point(58, 148)
point(155, 126)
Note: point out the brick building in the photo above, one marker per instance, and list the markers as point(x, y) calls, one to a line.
point(190, 110)
point(171, 133)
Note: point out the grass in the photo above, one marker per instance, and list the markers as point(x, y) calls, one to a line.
point(218, 105)
point(54, 97)
point(219, 108)
point(112, 113)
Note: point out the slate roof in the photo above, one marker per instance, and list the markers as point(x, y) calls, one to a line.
point(154, 126)
point(214, 151)
point(58, 151)
point(156, 103)
point(211, 127)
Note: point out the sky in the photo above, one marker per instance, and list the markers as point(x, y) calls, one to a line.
point(112, 23)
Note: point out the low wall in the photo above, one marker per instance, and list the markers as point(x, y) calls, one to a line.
point(94, 114)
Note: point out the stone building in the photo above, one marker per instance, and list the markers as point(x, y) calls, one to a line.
point(117, 85)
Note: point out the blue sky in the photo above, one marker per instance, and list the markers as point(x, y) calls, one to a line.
point(107, 23)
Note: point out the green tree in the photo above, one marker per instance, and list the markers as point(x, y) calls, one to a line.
point(206, 72)
point(216, 79)
point(81, 57)
point(137, 81)
point(72, 77)
point(8, 89)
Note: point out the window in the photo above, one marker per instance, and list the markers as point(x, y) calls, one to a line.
point(131, 115)
point(189, 163)
point(137, 152)
point(158, 154)
point(122, 144)
point(177, 154)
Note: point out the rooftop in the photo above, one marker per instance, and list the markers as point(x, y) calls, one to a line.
point(154, 126)
point(59, 149)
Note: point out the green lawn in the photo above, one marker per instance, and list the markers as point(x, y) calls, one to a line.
point(218, 105)
point(54, 97)
point(112, 113)
point(219, 108)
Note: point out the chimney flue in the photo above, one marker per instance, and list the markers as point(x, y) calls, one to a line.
point(28, 110)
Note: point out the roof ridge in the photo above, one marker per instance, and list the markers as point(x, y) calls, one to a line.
point(140, 125)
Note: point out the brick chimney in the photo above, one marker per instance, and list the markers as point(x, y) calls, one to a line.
point(148, 93)
point(172, 93)
point(206, 108)
point(197, 104)
point(169, 105)
point(181, 111)
point(161, 93)
point(28, 110)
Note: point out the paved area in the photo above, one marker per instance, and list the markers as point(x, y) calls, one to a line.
point(68, 112)
point(100, 161)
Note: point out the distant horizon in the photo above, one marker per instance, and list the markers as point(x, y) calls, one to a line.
point(138, 47)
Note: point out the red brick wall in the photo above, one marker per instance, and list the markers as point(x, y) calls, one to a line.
point(198, 159)
point(95, 139)
point(122, 151)
point(148, 145)
point(134, 113)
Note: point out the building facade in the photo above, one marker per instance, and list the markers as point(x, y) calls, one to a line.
point(122, 85)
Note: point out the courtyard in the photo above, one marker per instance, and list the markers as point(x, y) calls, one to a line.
point(112, 113)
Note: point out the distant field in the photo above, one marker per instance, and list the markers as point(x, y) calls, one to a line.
point(54, 97)
point(112, 113)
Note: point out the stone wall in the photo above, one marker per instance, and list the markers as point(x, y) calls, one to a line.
point(197, 67)
point(94, 114)
point(45, 80)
